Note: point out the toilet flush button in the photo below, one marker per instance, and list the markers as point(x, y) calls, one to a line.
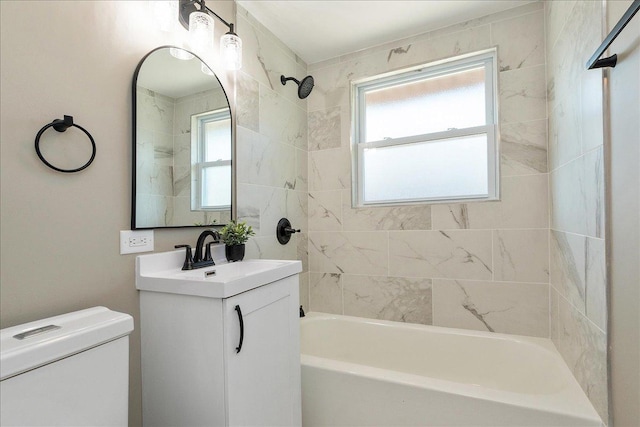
point(36, 331)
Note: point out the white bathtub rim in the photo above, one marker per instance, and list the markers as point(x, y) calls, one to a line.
point(547, 403)
point(569, 401)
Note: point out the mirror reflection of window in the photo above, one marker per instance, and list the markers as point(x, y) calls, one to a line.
point(211, 160)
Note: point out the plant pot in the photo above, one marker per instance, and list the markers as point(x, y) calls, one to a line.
point(234, 252)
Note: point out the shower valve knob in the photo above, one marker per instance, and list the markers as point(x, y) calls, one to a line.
point(284, 231)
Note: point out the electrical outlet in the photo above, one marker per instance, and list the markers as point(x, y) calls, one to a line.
point(133, 241)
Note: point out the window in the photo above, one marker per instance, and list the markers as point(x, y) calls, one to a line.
point(211, 160)
point(427, 134)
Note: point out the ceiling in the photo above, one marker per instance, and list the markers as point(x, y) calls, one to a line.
point(317, 30)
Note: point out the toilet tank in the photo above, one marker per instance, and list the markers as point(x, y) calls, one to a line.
point(68, 370)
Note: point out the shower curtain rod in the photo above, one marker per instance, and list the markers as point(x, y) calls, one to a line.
point(610, 61)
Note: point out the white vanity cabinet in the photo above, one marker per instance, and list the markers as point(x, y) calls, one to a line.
point(221, 361)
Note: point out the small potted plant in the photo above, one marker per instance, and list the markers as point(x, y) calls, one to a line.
point(235, 235)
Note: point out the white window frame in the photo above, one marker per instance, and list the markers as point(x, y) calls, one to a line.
point(198, 122)
point(487, 57)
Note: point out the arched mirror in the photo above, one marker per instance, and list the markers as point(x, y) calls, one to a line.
point(182, 143)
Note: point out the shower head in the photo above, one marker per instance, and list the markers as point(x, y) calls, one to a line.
point(304, 87)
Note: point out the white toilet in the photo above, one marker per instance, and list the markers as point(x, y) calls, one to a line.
point(68, 370)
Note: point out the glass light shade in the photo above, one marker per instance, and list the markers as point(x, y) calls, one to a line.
point(180, 53)
point(200, 32)
point(231, 51)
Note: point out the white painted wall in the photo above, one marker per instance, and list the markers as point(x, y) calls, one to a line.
point(60, 232)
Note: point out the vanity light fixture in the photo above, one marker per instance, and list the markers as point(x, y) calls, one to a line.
point(195, 16)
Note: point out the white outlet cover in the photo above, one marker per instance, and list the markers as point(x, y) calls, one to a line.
point(129, 236)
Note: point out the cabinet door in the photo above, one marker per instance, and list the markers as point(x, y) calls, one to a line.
point(263, 377)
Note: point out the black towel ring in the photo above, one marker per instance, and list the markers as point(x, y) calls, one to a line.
point(61, 126)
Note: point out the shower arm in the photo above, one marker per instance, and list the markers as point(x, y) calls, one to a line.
point(284, 80)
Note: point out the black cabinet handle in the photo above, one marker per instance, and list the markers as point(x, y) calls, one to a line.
point(239, 347)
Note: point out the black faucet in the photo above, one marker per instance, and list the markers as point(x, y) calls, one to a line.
point(197, 261)
point(197, 258)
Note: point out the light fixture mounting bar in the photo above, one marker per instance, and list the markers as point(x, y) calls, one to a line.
point(189, 6)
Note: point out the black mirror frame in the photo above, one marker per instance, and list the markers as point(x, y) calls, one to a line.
point(134, 145)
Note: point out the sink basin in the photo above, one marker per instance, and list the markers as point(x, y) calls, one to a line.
point(163, 272)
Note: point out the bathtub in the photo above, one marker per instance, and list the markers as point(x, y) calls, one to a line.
point(362, 372)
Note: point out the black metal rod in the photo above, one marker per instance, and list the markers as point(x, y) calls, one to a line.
point(594, 61)
point(225, 22)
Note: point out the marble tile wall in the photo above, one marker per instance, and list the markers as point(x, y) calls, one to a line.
point(271, 151)
point(481, 266)
point(577, 254)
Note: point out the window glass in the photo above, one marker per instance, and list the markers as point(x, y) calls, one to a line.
point(218, 177)
point(441, 169)
point(217, 135)
point(211, 160)
point(427, 134)
point(435, 104)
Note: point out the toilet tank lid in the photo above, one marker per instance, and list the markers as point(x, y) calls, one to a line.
point(34, 344)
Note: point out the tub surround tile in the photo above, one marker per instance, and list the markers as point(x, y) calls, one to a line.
point(591, 109)
point(523, 204)
point(434, 48)
point(265, 59)
point(325, 211)
point(325, 129)
point(577, 196)
point(555, 18)
point(329, 169)
point(333, 84)
point(416, 217)
point(578, 278)
point(521, 41)
point(389, 298)
point(568, 267)
point(523, 148)
point(304, 291)
point(439, 254)
point(462, 216)
point(247, 102)
point(522, 95)
point(596, 282)
point(325, 292)
point(512, 308)
point(273, 204)
point(349, 252)
point(296, 209)
point(583, 347)
point(554, 314)
point(565, 124)
point(249, 209)
point(293, 130)
point(302, 170)
point(594, 192)
point(521, 255)
point(268, 247)
point(268, 163)
point(302, 245)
